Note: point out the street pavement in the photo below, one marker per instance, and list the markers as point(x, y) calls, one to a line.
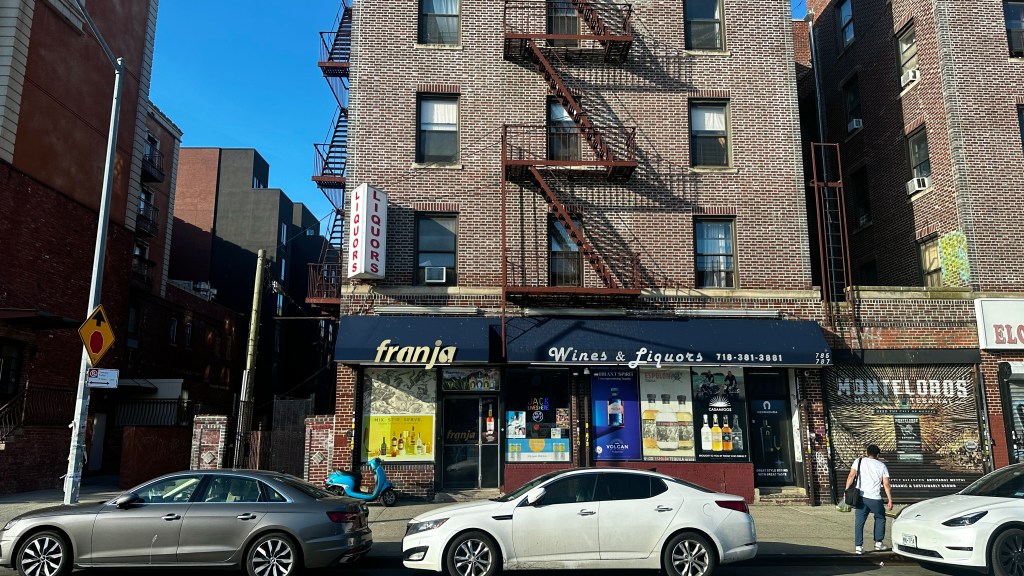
point(787, 534)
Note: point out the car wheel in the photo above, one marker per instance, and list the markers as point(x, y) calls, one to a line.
point(688, 554)
point(473, 554)
point(273, 555)
point(1007, 554)
point(388, 497)
point(44, 554)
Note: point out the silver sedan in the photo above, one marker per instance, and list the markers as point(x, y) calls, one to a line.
point(267, 523)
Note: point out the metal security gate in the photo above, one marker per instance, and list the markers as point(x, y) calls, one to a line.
point(282, 449)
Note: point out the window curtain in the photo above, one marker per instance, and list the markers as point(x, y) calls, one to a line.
point(439, 115)
point(708, 119)
point(442, 20)
point(714, 254)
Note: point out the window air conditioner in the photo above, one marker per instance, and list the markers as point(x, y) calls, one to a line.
point(855, 124)
point(918, 184)
point(909, 76)
point(434, 274)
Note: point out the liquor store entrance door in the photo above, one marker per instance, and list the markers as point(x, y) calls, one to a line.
point(469, 434)
point(770, 434)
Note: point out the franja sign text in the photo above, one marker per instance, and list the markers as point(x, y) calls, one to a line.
point(426, 355)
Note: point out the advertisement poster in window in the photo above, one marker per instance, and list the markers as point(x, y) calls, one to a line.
point(924, 418)
point(666, 419)
point(719, 407)
point(616, 415)
point(398, 415)
point(769, 449)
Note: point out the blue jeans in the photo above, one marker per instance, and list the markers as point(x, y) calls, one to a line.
point(869, 506)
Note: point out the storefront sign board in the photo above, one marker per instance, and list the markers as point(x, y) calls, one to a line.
point(1000, 323)
point(537, 450)
point(368, 225)
point(616, 415)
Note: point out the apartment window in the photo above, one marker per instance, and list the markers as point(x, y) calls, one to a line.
point(931, 267)
point(283, 263)
point(563, 135)
point(920, 165)
point(851, 96)
point(563, 18)
point(866, 274)
point(436, 236)
point(859, 198)
point(188, 335)
point(280, 304)
point(709, 133)
point(716, 258)
point(566, 264)
point(1020, 122)
point(907, 43)
point(152, 145)
point(10, 368)
point(704, 24)
point(172, 332)
point(438, 130)
point(845, 15)
point(283, 234)
point(133, 320)
point(146, 203)
point(1014, 12)
point(439, 22)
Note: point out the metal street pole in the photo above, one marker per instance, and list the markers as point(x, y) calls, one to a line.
point(72, 480)
point(244, 421)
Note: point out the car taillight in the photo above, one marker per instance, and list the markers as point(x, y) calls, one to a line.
point(737, 505)
point(353, 517)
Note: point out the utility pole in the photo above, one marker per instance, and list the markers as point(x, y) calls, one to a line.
point(73, 478)
point(245, 402)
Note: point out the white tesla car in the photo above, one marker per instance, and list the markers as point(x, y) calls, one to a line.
point(980, 527)
point(586, 518)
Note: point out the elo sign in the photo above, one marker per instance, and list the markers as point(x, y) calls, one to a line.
point(367, 233)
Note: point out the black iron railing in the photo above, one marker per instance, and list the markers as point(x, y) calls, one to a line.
point(147, 222)
point(37, 406)
point(153, 166)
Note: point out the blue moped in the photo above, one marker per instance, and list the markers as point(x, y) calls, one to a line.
point(345, 483)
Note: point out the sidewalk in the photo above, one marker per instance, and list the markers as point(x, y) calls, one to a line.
point(786, 534)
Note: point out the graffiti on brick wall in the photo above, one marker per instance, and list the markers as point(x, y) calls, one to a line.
point(956, 269)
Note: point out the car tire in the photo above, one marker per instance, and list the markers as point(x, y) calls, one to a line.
point(1006, 557)
point(688, 554)
point(273, 554)
point(473, 554)
point(388, 498)
point(44, 553)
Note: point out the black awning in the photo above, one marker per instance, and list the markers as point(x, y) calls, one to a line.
point(637, 342)
point(416, 340)
point(36, 319)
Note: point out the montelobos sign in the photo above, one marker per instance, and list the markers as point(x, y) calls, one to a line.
point(368, 232)
point(1000, 323)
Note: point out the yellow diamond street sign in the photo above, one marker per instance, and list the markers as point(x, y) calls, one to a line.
point(96, 335)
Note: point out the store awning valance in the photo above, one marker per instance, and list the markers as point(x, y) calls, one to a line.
point(424, 341)
point(638, 342)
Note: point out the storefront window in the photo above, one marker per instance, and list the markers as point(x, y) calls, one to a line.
point(398, 415)
point(537, 416)
point(616, 415)
point(470, 379)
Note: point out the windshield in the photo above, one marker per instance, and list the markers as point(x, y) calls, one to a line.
point(528, 486)
point(1006, 483)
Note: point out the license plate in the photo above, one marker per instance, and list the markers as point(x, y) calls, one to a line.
point(910, 540)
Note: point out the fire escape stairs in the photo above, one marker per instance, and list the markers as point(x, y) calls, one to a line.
point(613, 51)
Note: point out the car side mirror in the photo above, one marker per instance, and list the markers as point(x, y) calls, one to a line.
point(534, 496)
point(126, 500)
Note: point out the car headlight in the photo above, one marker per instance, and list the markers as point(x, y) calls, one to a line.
point(417, 527)
point(965, 520)
point(10, 524)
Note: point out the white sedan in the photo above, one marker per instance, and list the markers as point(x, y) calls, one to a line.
point(586, 518)
point(979, 527)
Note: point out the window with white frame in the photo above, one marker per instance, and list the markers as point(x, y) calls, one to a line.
point(709, 134)
point(907, 45)
point(844, 15)
point(715, 253)
point(704, 25)
point(439, 22)
point(436, 242)
point(566, 263)
point(931, 265)
point(920, 164)
point(1014, 12)
point(438, 141)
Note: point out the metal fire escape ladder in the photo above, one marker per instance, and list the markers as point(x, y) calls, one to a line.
point(586, 248)
point(831, 214)
point(613, 51)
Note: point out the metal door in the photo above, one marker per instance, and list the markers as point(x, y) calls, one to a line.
point(470, 456)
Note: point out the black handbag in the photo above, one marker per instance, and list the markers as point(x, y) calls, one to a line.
point(853, 495)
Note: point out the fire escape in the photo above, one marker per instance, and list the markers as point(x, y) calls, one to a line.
point(830, 212)
point(331, 158)
point(547, 36)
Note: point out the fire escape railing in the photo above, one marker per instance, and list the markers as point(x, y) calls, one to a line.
point(608, 32)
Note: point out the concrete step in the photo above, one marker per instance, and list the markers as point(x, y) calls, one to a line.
point(784, 495)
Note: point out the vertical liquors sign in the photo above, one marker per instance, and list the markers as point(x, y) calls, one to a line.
point(367, 233)
point(924, 418)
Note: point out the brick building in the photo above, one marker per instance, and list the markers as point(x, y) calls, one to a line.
point(583, 236)
point(924, 105)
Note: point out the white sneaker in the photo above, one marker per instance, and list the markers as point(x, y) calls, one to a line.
point(880, 547)
point(859, 550)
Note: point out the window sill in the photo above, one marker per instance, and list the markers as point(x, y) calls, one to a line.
point(850, 135)
point(1016, 59)
point(708, 52)
point(419, 46)
point(908, 88)
point(913, 197)
point(710, 170)
point(433, 166)
point(844, 49)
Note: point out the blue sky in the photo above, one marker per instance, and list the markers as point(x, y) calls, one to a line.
point(244, 75)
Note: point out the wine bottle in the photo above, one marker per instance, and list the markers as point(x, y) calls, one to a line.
point(410, 446)
point(401, 442)
point(615, 409)
point(490, 423)
point(667, 427)
point(737, 434)
point(685, 419)
point(383, 446)
point(394, 445)
point(419, 444)
point(705, 435)
point(716, 436)
point(726, 434)
point(649, 424)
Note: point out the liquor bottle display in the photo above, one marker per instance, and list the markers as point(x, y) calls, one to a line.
point(726, 434)
point(716, 436)
point(410, 446)
point(615, 409)
point(649, 425)
point(705, 435)
point(489, 428)
point(737, 434)
point(667, 427)
point(383, 446)
point(685, 419)
point(401, 442)
point(394, 446)
point(419, 444)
